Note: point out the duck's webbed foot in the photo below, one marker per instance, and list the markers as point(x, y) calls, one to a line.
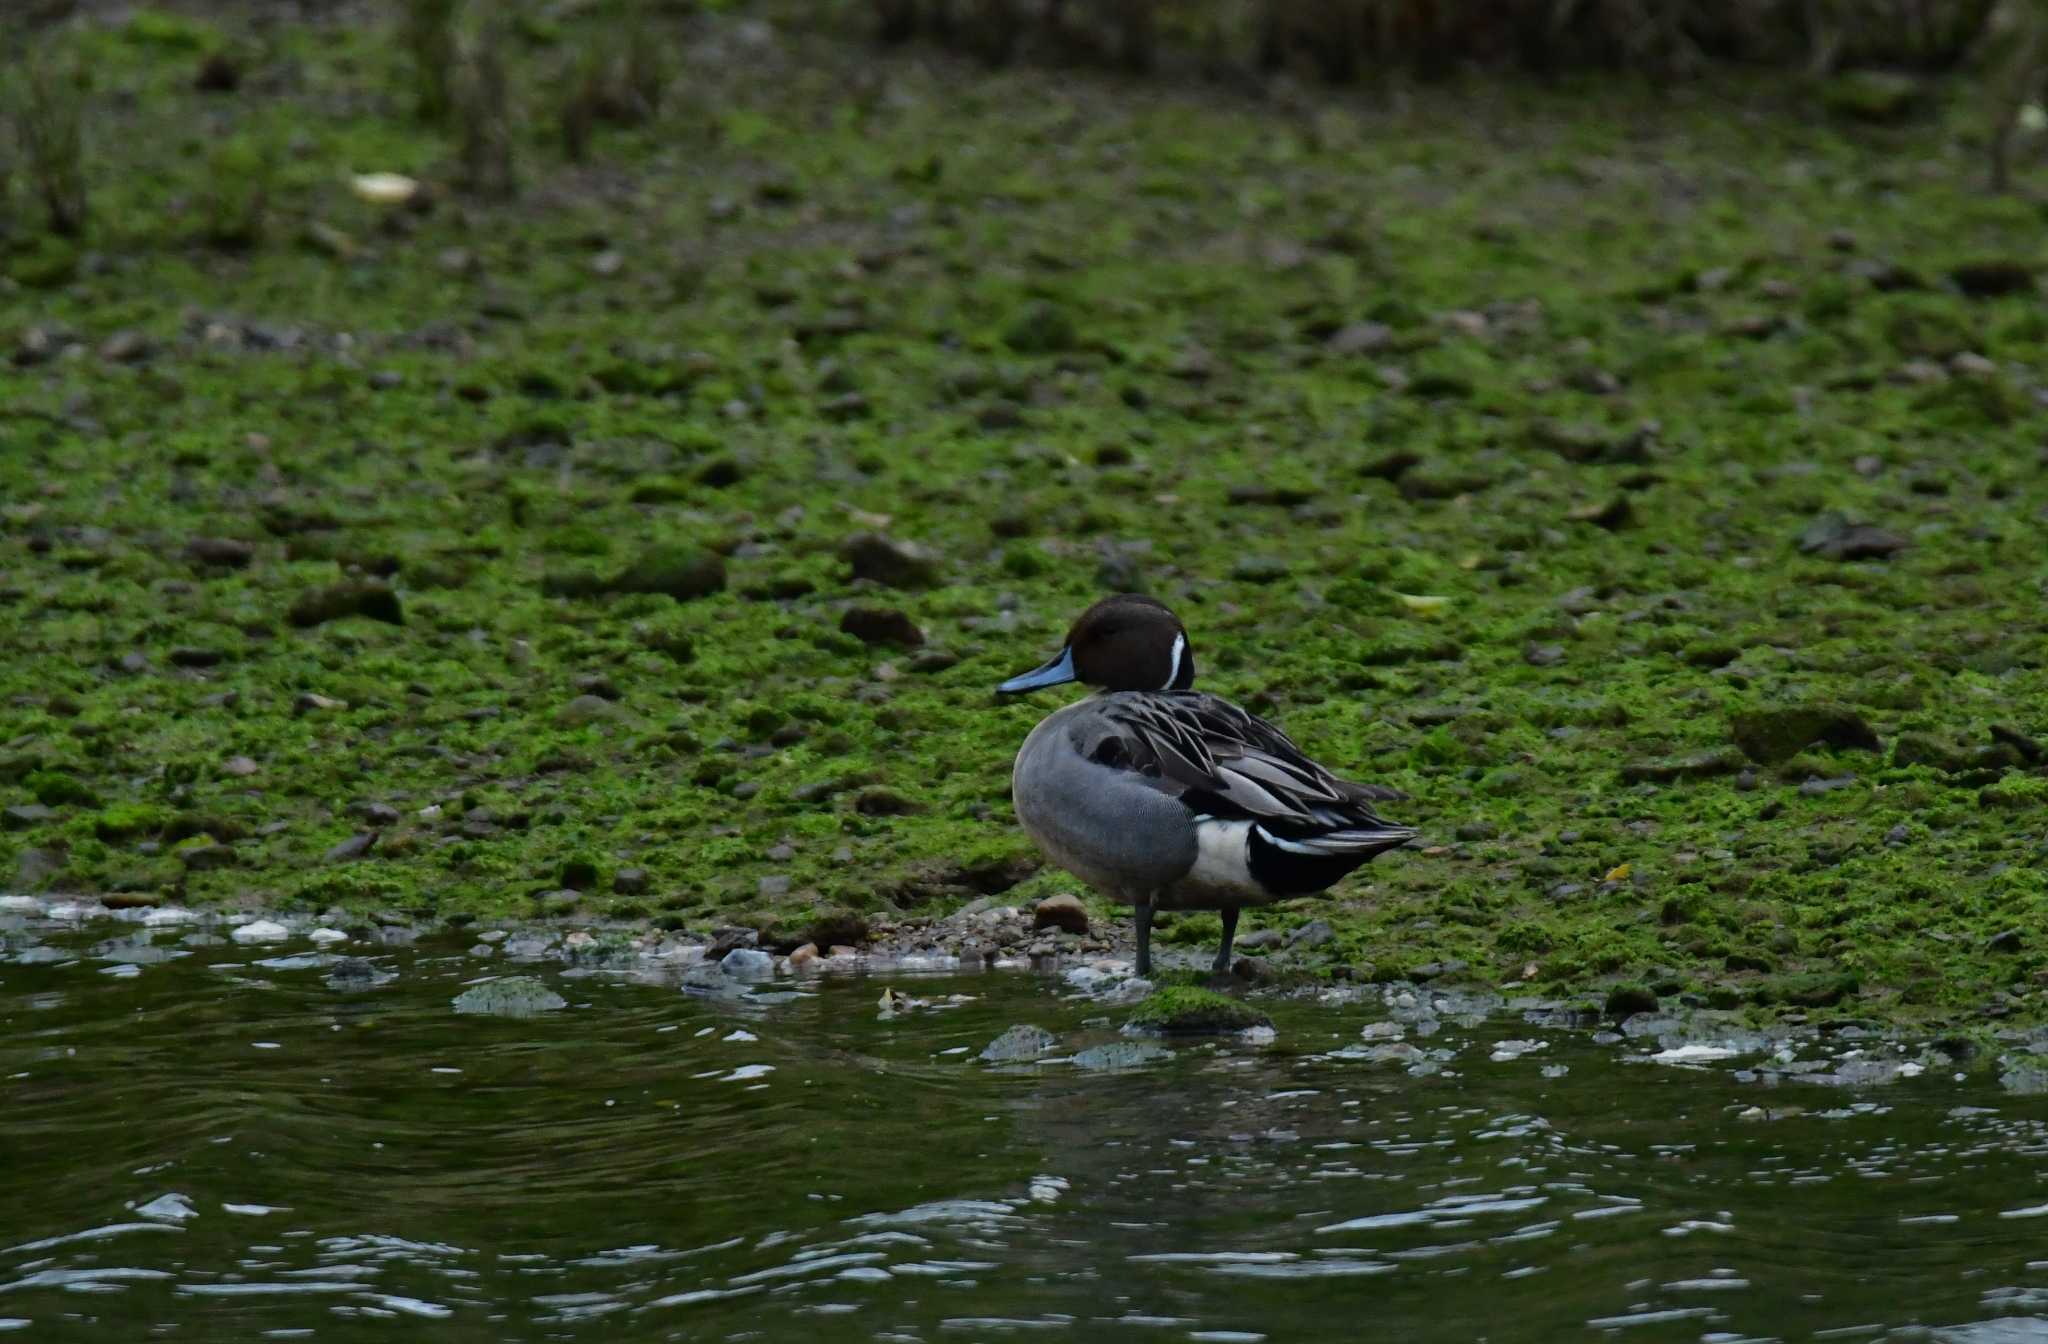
point(1229, 915)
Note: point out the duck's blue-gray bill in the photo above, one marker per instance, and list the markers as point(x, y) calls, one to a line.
point(1059, 670)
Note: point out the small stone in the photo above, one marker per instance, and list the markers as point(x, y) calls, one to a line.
point(308, 701)
point(1019, 1043)
point(1064, 912)
point(2011, 940)
point(803, 957)
point(1768, 736)
point(261, 931)
point(206, 857)
point(586, 709)
point(1813, 788)
point(241, 767)
point(630, 881)
point(1312, 934)
point(125, 347)
point(1832, 536)
point(1543, 655)
point(1360, 338)
point(885, 803)
point(1041, 329)
point(881, 625)
point(1993, 277)
point(337, 601)
point(355, 847)
point(223, 552)
point(891, 563)
point(24, 816)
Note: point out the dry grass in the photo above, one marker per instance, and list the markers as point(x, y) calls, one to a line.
point(1342, 40)
point(49, 126)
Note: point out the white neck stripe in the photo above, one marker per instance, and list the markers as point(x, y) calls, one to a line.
point(1180, 646)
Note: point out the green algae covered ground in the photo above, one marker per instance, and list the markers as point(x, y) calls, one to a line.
point(659, 536)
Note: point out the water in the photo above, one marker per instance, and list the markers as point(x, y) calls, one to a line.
point(197, 1145)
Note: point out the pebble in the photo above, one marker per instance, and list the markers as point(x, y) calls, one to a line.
point(325, 936)
point(261, 931)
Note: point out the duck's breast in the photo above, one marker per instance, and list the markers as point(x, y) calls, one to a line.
point(1108, 827)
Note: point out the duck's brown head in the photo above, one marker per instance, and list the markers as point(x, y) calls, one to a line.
point(1122, 643)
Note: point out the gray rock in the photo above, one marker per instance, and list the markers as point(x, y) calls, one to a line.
point(747, 963)
point(355, 847)
point(1312, 934)
point(1019, 1043)
point(891, 563)
point(1120, 1055)
point(514, 996)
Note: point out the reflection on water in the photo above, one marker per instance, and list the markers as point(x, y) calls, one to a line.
point(206, 1140)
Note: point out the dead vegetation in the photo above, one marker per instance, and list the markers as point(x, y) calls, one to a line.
point(1344, 40)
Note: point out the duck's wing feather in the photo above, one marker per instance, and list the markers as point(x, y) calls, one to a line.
point(1227, 763)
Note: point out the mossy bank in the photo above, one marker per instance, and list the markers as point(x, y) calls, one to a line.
point(645, 547)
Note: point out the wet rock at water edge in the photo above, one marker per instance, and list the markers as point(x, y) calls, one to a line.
point(1629, 1000)
point(1120, 1055)
point(1019, 1043)
point(350, 973)
point(1187, 1011)
point(1064, 912)
point(1768, 736)
point(514, 996)
point(891, 563)
point(747, 963)
point(261, 931)
point(881, 626)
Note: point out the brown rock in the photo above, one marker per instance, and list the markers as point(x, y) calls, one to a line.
point(1064, 911)
point(881, 625)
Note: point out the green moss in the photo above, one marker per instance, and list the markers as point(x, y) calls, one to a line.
point(1187, 1010)
point(577, 497)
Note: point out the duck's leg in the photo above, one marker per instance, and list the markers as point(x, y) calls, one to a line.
point(1229, 914)
point(1143, 909)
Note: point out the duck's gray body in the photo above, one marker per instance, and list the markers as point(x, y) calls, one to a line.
point(1176, 799)
point(1180, 800)
point(1115, 829)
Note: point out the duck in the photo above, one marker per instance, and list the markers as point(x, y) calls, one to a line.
point(1162, 797)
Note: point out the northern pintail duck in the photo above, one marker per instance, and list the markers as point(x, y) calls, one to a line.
point(1164, 797)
